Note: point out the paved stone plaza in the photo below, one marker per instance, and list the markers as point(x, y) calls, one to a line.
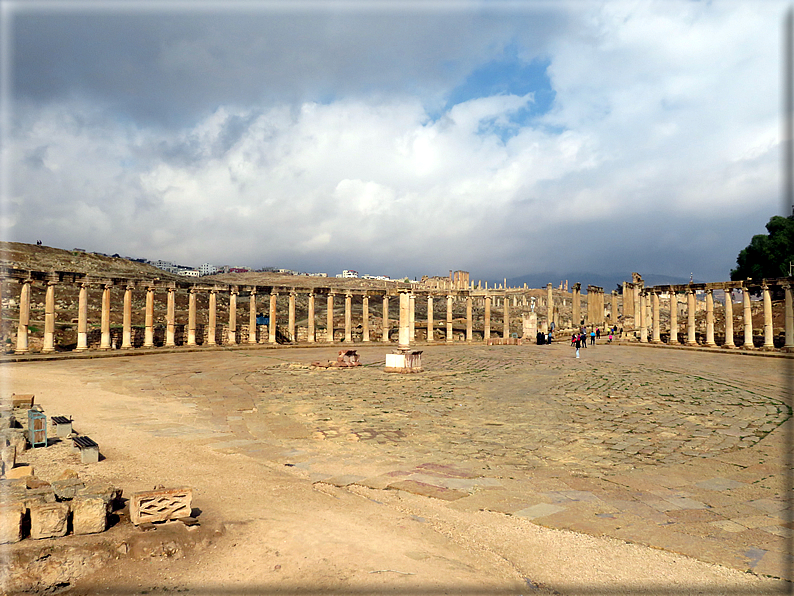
point(683, 450)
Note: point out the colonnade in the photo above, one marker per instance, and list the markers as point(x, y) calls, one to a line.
point(268, 334)
point(648, 314)
point(641, 311)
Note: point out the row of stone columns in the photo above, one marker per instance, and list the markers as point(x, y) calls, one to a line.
point(170, 336)
point(729, 329)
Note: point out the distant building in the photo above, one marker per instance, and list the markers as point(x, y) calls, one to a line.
point(207, 269)
point(348, 273)
point(318, 275)
point(190, 272)
point(239, 270)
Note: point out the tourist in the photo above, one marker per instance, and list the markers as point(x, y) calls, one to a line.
point(598, 333)
point(578, 343)
point(592, 338)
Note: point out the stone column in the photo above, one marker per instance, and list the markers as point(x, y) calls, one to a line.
point(291, 317)
point(469, 321)
point(148, 319)
point(550, 304)
point(271, 336)
point(104, 343)
point(728, 319)
point(233, 316)
point(789, 317)
point(385, 337)
point(252, 317)
point(769, 343)
point(628, 303)
point(710, 318)
point(211, 318)
point(405, 322)
point(330, 318)
point(486, 329)
point(614, 320)
point(170, 318)
point(310, 321)
point(691, 340)
point(24, 317)
point(449, 318)
point(126, 333)
point(365, 318)
point(673, 317)
point(643, 323)
point(82, 318)
point(577, 305)
point(348, 317)
point(655, 334)
point(506, 319)
point(412, 317)
point(191, 317)
point(638, 314)
point(748, 318)
point(429, 318)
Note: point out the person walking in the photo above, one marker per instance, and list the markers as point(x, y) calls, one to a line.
point(578, 343)
point(592, 338)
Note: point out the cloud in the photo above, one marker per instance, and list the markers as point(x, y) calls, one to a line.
point(626, 136)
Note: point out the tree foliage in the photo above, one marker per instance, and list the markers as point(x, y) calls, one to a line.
point(767, 255)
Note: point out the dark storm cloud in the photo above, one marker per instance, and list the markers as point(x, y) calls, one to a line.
point(172, 67)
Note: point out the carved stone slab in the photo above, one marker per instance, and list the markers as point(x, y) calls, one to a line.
point(160, 505)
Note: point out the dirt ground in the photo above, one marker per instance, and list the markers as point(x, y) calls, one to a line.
point(275, 516)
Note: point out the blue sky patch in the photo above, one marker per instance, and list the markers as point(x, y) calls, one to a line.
point(508, 75)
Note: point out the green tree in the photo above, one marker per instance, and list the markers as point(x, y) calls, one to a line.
point(767, 255)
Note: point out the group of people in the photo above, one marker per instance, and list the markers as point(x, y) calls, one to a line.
point(579, 340)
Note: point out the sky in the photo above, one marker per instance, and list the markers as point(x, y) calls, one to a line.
point(395, 138)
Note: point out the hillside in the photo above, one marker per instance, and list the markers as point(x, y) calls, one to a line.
point(47, 258)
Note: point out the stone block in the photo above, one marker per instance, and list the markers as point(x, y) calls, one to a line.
point(48, 520)
point(8, 455)
point(160, 505)
point(11, 522)
point(16, 438)
point(89, 514)
point(111, 494)
point(20, 471)
point(67, 489)
point(22, 400)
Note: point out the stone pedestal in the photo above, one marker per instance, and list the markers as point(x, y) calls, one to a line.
point(404, 361)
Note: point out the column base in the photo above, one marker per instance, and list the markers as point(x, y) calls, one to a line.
point(711, 345)
point(692, 344)
point(21, 351)
point(81, 349)
point(729, 346)
point(47, 350)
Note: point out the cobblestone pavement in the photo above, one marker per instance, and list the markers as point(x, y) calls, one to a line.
point(680, 450)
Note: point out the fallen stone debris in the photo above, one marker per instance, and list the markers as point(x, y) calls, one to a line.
point(345, 359)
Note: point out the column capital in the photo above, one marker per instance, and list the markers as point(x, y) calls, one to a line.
point(234, 290)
